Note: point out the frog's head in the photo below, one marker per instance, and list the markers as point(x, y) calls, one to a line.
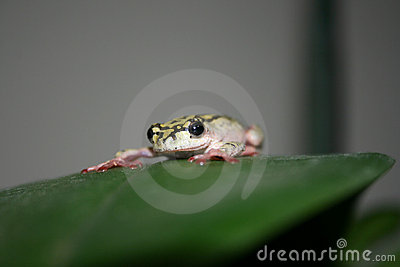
point(188, 133)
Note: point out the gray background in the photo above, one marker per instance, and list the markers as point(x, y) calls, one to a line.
point(69, 70)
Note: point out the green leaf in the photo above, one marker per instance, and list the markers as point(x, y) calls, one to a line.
point(377, 231)
point(373, 227)
point(203, 214)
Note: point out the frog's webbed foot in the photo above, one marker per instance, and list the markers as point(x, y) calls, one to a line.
point(115, 162)
point(249, 151)
point(213, 154)
point(126, 158)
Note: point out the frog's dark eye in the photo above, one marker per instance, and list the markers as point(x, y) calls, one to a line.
point(150, 134)
point(196, 128)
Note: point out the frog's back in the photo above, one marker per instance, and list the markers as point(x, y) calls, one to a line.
point(224, 128)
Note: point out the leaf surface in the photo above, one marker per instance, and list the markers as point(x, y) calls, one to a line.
point(174, 210)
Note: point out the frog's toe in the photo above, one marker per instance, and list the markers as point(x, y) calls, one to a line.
point(249, 151)
point(198, 160)
point(116, 162)
point(134, 165)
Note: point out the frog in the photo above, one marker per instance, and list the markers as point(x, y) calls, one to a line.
point(197, 138)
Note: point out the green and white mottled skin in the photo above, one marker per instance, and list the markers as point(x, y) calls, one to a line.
point(196, 137)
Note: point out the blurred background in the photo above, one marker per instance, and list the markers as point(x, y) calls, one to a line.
point(324, 75)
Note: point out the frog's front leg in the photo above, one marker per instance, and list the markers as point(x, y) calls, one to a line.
point(125, 158)
point(220, 151)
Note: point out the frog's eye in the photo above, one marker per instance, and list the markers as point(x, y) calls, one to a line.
point(150, 134)
point(196, 128)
